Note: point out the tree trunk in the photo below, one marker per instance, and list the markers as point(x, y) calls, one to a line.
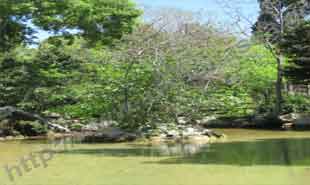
point(278, 105)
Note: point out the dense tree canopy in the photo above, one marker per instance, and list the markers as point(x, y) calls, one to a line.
point(276, 16)
point(297, 45)
point(13, 23)
point(98, 20)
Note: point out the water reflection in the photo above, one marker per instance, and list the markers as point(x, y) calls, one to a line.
point(263, 152)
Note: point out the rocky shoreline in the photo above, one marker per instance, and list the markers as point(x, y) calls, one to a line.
point(185, 130)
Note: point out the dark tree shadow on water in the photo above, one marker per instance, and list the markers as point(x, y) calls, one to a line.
point(284, 152)
point(292, 152)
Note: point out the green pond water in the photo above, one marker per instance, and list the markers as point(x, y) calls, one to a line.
point(264, 159)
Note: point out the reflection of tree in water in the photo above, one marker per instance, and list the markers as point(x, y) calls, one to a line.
point(264, 152)
point(181, 149)
point(285, 151)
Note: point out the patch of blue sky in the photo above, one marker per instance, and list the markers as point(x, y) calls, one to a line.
point(213, 8)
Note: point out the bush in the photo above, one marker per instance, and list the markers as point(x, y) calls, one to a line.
point(76, 127)
point(296, 103)
point(30, 128)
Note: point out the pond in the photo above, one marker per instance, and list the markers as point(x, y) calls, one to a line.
point(265, 158)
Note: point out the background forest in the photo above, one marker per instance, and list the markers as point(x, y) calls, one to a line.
point(103, 62)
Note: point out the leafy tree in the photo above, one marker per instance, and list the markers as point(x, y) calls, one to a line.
point(96, 20)
point(14, 29)
point(43, 78)
point(276, 16)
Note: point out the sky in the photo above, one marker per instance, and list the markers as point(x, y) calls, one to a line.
point(247, 6)
point(213, 8)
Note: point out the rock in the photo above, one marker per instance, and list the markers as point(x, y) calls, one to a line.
point(288, 118)
point(163, 129)
point(190, 131)
point(172, 134)
point(97, 126)
point(287, 126)
point(182, 120)
point(110, 135)
point(206, 120)
point(302, 120)
point(52, 115)
point(296, 120)
point(76, 121)
point(211, 133)
point(58, 128)
point(90, 128)
point(113, 132)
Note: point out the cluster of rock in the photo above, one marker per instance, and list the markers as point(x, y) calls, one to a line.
point(57, 122)
point(295, 120)
point(108, 131)
point(287, 121)
point(98, 131)
point(187, 132)
point(109, 135)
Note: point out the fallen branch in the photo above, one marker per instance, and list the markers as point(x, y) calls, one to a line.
point(15, 114)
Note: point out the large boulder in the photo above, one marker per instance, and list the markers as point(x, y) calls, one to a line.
point(109, 135)
point(295, 120)
point(302, 120)
point(59, 128)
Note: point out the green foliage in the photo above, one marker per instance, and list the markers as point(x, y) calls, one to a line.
point(149, 77)
point(296, 45)
point(41, 79)
point(97, 20)
point(297, 103)
point(30, 128)
point(253, 77)
point(277, 16)
point(76, 127)
point(13, 27)
point(100, 21)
